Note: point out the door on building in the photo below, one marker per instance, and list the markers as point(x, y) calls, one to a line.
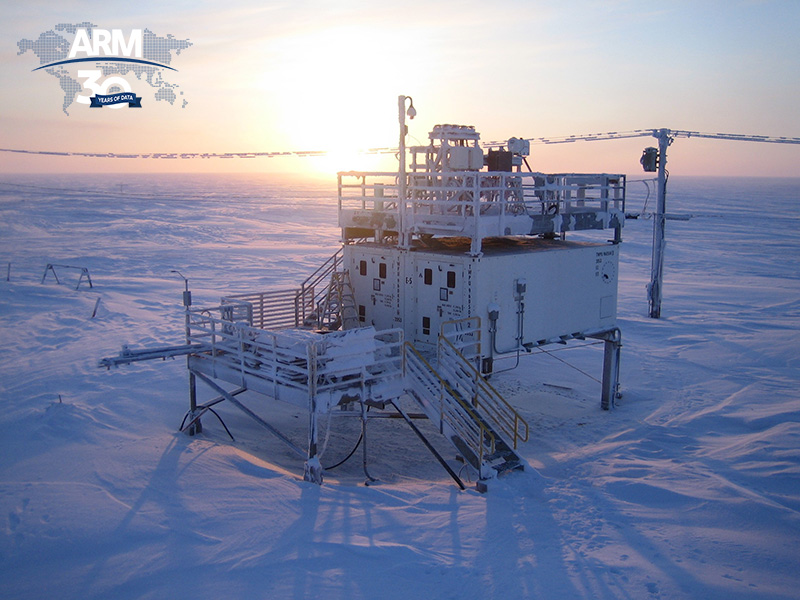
point(440, 296)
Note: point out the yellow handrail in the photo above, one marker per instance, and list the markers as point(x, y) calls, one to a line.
point(485, 433)
point(483, 385)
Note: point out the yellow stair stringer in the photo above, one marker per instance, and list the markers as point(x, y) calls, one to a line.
point(454, 418)
point(483, 398)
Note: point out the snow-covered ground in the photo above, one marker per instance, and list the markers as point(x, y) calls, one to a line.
point(690, 489)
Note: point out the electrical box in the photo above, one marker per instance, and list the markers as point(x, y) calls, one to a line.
point(557, 288)
point(649, 160)
point(464, 158)
point(500, 160)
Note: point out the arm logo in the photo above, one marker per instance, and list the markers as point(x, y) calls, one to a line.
point(100, 67)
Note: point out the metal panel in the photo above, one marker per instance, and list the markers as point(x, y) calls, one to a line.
point(376, 274)
point(440, 283)
point(571, 290)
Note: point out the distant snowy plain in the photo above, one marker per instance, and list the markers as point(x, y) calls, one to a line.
point(689, 489)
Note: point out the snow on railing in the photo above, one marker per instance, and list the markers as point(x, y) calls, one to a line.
point(274, 309)
point(479, 203)
point(331, 368)
point(289, 307)
point(513, 192)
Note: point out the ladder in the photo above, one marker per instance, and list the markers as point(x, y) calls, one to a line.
point(339, 308)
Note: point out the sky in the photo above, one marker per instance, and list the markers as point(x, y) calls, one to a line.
point(268, 75)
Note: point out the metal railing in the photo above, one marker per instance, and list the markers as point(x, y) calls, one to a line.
point(444, 406)
point(467, 381)
point(315, 288)
point(275, 309)
point(368, 191)
point(248, 351)
point(290, 307)
point(465, 335)
point(306, 362)
point(470, 194)
point(478, 204)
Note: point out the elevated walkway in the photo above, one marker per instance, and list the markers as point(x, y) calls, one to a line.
point(339, 371)
point(306, 368)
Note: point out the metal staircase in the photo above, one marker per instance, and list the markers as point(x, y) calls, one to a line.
point(447, 411)
point(339, 308)
point(466, 409)
point(494, 412)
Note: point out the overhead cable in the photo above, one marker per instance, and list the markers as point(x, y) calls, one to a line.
point(591, 137)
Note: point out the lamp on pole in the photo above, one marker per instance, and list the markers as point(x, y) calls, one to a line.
point(187, 295)
point(197, 427)
point(401, 175)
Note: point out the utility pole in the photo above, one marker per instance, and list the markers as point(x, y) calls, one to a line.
point(654, 288)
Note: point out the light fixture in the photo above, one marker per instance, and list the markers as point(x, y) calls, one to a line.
point(185, 281)
point(187, 295)
point(411, 112)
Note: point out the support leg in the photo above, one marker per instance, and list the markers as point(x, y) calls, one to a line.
point(197, 426)
point(612, 344)
point(369, 477)
point(313, 469)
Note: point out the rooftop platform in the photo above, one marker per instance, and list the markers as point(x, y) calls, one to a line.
point(477, 204)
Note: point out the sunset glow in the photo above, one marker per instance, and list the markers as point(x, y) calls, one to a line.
point(270, 78)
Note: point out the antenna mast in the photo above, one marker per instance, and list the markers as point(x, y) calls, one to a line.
point(659, 221)
point(655, 159)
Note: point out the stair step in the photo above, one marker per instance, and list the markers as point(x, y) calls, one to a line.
point(499, 455)
point(508, 466)
point(339, 306)
point(469, 428)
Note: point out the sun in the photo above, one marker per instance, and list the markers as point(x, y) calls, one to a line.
point(333, 96)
